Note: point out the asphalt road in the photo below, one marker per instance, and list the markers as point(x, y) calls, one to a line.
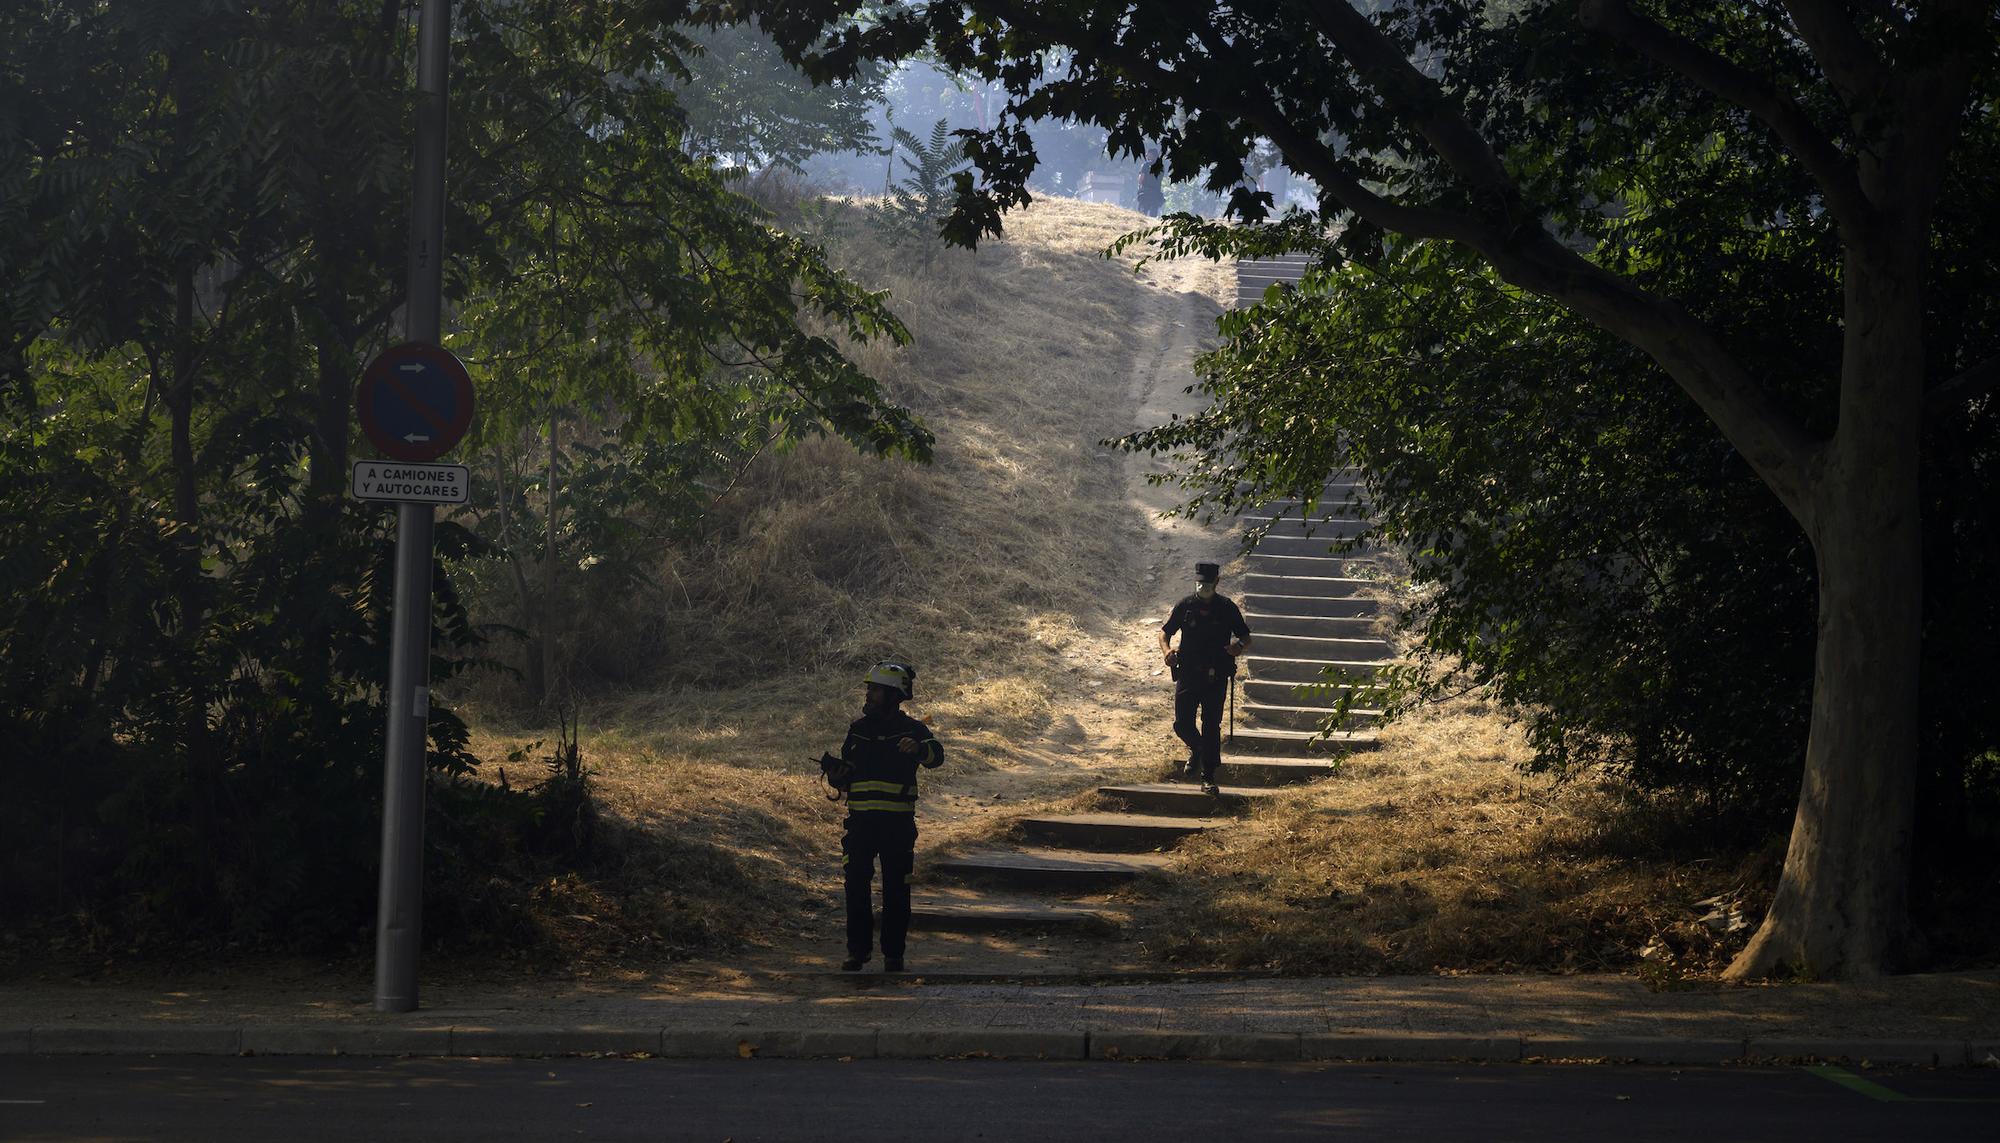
point(305, 1100)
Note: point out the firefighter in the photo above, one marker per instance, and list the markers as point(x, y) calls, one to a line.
point(1213, 634)
point(883, 749)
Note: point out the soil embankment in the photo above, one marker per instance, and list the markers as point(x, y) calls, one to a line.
point(1026, 572)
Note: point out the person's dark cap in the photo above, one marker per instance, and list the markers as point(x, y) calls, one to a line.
point(1206, 572)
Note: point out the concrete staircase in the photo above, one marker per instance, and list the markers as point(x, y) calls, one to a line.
point(1307, 613)
point(1255, 275)
point(1310, 616)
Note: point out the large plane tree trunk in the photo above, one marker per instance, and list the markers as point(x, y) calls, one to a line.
point(1839, 907)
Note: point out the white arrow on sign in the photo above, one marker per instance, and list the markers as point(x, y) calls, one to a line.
point(411, 367)
point(414, 438)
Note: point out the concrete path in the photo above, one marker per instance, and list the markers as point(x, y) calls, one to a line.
point(1948, 1020)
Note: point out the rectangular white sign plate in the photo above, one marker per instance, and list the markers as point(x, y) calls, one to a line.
point(411, 483)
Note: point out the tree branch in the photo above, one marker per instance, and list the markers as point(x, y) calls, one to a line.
point(1345, 185)
point(1524, 253)
point(1885, 11)
point(1975, 382)
point(1841, 52)
point(1830, 170)
point(1416, 96)
point(1513, 240)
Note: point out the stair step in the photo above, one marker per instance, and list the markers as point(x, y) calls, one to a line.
point(1337, 496)
point(1114, 832)
point(978, 914)
point(1276, 692)
point(1273, 772)
point(1325, 626)
point(1314, 587)
point(1323, 648)
point(1183, 797)
point(1338, 628)
point(1051, 868)
point(1298, 743)
point(1296, 522)
point(1312, 567)
point(1318, 544)
point(1304, 606)
point(1302, 717)
point(1276, 668)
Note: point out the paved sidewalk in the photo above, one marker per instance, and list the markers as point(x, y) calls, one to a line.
point(1949, 1020)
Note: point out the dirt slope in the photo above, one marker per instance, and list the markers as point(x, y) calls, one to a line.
point(1024, 572)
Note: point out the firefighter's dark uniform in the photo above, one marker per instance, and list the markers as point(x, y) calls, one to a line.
point(1204, 668)
point(882, 823)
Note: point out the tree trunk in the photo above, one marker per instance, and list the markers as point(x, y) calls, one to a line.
point(1840, 905)
point(179, 398)
point(326, 471)
point(531, 658)
point(549, 606)
point(14, 375)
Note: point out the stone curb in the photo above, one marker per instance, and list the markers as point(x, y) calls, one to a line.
point(999, 1043)
point(335, 1040)
point(142, 1039)
point(585, 1040)
point(1646, 1049)
point(1410, 1046)
point(1158, 1044)
point(1931, 1053)
point(736, 1042)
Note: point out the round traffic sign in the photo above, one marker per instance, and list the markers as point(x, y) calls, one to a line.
point(415, 402)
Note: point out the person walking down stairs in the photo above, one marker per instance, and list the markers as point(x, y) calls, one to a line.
point(883, 749)
point(1213, 634)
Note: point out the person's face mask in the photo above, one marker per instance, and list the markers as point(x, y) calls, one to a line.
point(1206, 589)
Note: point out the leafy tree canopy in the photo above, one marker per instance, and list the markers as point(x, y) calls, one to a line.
point(203, 234)
point(1606, 157)
point(744, 101)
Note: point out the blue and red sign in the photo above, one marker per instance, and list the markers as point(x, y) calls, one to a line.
point(415, 402)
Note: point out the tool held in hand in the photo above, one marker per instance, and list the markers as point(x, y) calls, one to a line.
point(838, 772)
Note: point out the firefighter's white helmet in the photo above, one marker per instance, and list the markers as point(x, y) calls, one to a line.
point(898, 677)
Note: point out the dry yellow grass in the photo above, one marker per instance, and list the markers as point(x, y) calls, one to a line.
point(993, 570)
point(981, 568)
point(1439, 854)
point(822, 558)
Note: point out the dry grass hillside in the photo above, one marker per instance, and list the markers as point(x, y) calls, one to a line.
point(1024, 572)
point(982, 568)
point(1439, 854)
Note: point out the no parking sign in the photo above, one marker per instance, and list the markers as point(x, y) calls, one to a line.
point(414, 402)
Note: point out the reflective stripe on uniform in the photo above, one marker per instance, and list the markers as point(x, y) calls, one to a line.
point(882, 788)
point(896, 807)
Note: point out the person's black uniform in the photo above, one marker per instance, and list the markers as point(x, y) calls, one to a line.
point(884, 747)
point(1151, 197)
point(1212, 634)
